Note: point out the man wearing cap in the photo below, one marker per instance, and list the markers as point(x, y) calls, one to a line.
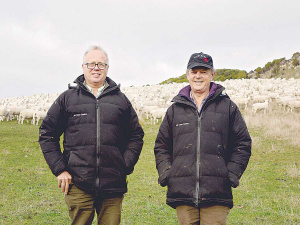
point(202, 148)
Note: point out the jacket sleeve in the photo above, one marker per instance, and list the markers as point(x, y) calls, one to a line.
point(50, 131)
point(163, 149)
point(239, 146)
point(135, 142)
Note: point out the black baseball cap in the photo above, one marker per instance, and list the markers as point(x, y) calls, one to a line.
point(200, 59)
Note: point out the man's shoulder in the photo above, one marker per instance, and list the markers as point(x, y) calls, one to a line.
point(72, 86)
point(64, 96)
point(123, 99)
point(69, 92)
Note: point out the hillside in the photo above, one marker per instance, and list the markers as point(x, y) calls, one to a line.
point(278, 68)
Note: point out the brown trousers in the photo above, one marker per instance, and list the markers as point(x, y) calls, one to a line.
point(82, 207)
point(209, 215)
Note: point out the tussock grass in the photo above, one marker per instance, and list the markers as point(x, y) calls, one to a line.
point(268, 191)
point(293, 170)
point(276, 124)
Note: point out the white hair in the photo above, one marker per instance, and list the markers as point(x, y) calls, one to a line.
point(95, 47)
point(212, 70)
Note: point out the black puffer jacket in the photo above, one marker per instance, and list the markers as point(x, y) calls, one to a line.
point(102, 138)
point(201, 155)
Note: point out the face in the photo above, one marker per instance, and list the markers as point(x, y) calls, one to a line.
point(200, 79)
point(95, 77)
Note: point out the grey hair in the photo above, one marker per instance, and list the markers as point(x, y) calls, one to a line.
point(212, 71)
point(95, 47)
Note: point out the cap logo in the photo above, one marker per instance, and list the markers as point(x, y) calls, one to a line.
point(205, 59)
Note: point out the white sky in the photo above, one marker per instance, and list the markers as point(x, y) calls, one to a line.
point(42, 42)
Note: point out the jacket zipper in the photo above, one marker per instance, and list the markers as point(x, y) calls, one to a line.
point(198, 152)
point(97, 182)
point(98, 148)
point(98, 143)
point(199, 114)
point(198, 162)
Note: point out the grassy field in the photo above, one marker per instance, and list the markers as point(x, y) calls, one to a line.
point(269, 192)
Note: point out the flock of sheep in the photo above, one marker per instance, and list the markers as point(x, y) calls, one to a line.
point(32, 108)
point(259, 94)
point(152, 101)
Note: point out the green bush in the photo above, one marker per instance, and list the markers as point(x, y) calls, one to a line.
point(277, 61)
point(275, 70)
point(296, 55)
point(258, 70)
point(268, 65)
point(180, 79)
point(221, 75)
point(295, 62)
point(224, 74)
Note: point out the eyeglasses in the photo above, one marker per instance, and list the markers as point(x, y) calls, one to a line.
point(101, 66)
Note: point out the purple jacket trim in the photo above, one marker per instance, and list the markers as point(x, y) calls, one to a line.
point(187, 89)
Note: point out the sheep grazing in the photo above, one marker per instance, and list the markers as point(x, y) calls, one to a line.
point(284, 102)
point(293, 105)
point(282, 94)
point(241, 102)
point(37, 116)
point(26, 114)
point(260, 98)
point(147, 109)
point(158, 114)
point(16, 109)
point(260, 106)
point(4, 111)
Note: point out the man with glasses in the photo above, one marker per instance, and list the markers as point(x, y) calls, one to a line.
point(102, 142)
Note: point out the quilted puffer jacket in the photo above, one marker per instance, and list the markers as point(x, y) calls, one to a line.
point(102, 138)
point(201, 155)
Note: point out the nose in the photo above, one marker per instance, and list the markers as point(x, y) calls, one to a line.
point(198, 74)
point(97, 67)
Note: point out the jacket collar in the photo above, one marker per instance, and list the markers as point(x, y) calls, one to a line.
point(185, 92)
point(214, 91)
point(112, 85)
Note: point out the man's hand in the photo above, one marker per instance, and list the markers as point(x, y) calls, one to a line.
point(64, 179)
point(233, 179)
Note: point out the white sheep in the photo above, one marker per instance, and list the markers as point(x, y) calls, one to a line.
point(37, 115)
point(293, 105)
point(4, 111)
point(260, 106)
point(158, 114)
point(147, 109)
point(16, 109)
point(260, 98)
point(241, 102)
point(284, 102)
point(25, 114)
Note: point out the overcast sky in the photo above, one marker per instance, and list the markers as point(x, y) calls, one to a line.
point(42, 42)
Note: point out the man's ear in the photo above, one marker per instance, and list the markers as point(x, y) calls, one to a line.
point(187, 77)
point(213, 74)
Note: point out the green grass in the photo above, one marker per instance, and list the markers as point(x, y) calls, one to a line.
point(268, 194)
